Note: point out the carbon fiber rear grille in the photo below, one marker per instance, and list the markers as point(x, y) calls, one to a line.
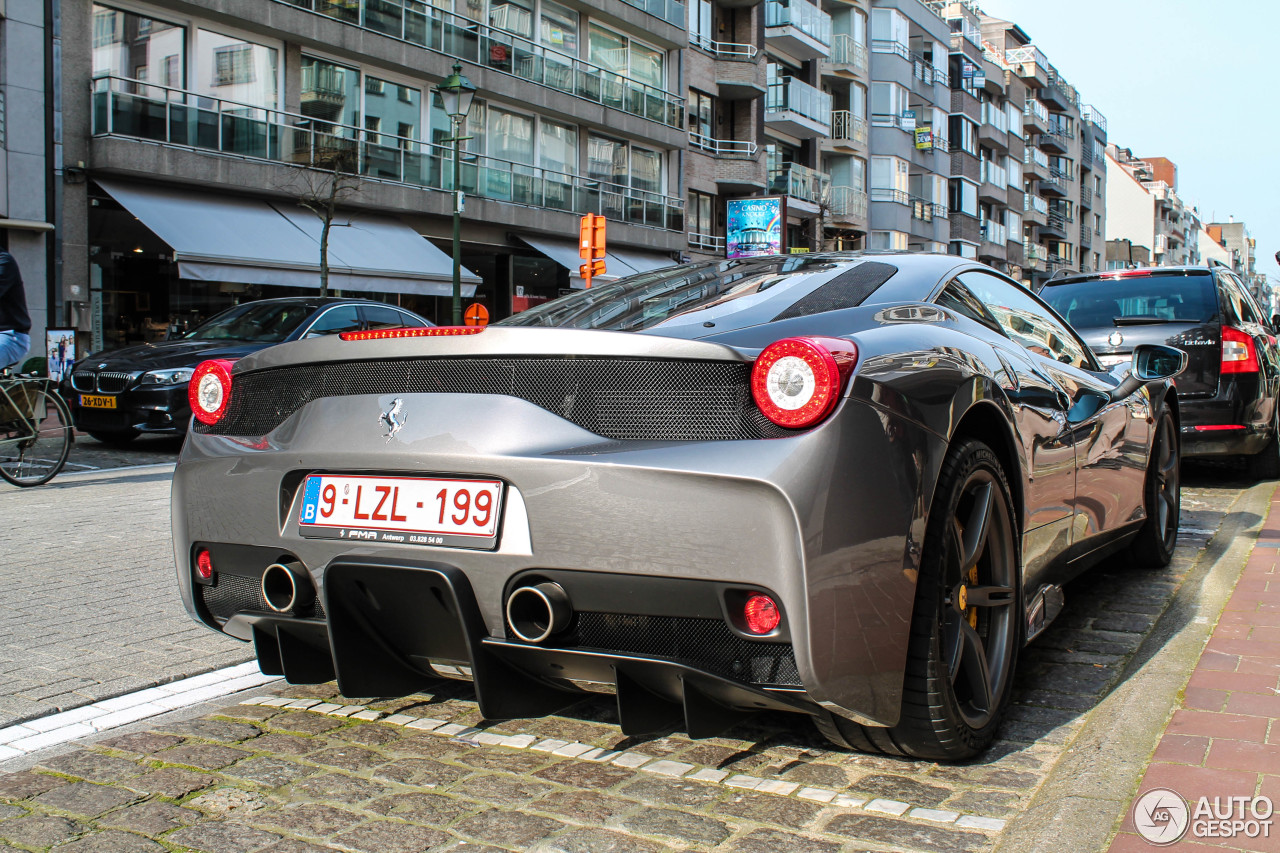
point(705, 643)
point(625, 399)
point(237, 593)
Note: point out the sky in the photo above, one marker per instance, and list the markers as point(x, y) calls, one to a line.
point(1197, 82)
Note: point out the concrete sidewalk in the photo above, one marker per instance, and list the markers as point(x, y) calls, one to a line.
point(1223, 741)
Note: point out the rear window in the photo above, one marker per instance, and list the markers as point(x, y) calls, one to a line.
point(649, 299)
point(1189, 298)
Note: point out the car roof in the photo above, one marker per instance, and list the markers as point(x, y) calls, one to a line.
point(1172, 269)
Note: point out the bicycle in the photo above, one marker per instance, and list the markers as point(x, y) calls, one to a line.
point(35, 429)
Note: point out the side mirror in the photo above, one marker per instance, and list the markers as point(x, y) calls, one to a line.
point(1151, 363)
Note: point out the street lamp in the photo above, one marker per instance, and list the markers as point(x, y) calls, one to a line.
point(456, 93)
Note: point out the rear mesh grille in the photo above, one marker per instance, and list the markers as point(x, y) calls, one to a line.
point(626, 399)
point(705, 643)
point(237, 594)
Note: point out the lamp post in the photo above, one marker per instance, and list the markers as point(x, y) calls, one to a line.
point(456, 93)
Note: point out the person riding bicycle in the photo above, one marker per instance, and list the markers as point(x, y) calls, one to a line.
point(15, 322)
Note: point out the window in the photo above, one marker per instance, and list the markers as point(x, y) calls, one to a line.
point(888, 101)
point(1014, 113)
point(124, 41)
point(237, 70)
point(616, 162)
point(958, 298)
point(699, 215)
point(392, 105)
point(382, 317)
point(510, 136)
point(1026, 321)
point(558, 147)
point(342, 318)
point(373, 86)
point(513, 16)
point(963, 197)
point(700, 23)
point(964, 135)
point(701, 110)
point(330, 92)
point(891, 240)
point(559, 28)
point(890, 173)
point(890, 25)
point(625, 57)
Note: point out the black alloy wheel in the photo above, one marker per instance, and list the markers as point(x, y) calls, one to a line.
point(966, 627)
point(1156, 539)
point(1266, 463)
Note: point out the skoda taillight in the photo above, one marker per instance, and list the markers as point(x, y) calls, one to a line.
point(1239, 354)
point(796, 382)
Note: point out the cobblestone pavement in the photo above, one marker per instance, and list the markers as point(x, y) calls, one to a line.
point(90, 607)
point(427, 772)
point(89, 454)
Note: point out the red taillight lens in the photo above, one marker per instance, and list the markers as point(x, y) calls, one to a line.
point(797, 381)
point(210, 390)
point(1239, 355)
point(427, 332)
point(204, 564)
point(761, 614)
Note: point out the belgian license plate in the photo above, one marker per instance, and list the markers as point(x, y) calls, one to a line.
point(406, 510)
point(97, 401)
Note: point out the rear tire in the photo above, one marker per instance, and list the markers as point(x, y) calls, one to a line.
point(114, 439)
point(966, 626)
point(1266, 463)
point(1162, 498)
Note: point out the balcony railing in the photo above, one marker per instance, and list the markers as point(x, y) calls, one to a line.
point(994, 174)
point(723, 147)
point(1025, 54)
point(923, 71)
point(1086, 196)
point(890, 195)
point(921, 209)
point(140, 110)
point(846, 126)
point(1061, 211)
point(460, 37)
point(995, 116)
point(800, 182)
point(1031, 201)
point(705, 242)
point(846, 50)
point(1091, 114)
point(668, 10)
point(994, 232)
point(1086, 236)
point(1035, 155)
point(805, 17)
point(848, 203)
point(1035, 109)
point(889, 46)
point(797, 96)
point(724, 49)
point(1063, 176)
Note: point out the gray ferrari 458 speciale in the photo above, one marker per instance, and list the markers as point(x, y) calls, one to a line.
point(849, 486)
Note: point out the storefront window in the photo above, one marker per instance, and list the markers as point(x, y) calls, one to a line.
point(137, 47)
point(232, 69)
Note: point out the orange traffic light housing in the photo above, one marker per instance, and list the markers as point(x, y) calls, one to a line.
point(591, 246)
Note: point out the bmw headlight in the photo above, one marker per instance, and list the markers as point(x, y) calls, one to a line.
point(172, 376)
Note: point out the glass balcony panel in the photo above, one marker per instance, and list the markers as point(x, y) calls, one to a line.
point(805, 17)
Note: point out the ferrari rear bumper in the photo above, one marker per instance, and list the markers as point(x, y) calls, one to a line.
point(394, 629)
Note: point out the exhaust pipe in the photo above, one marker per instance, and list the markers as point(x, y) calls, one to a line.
point(536, 612)
point(286, 587)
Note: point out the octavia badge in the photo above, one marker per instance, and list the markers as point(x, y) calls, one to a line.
point(392, 419)
point(1115, 339)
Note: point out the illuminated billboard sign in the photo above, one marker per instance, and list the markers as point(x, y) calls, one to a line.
point(755, 226)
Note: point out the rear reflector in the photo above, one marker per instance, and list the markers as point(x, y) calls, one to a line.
point(761, 614)
point(204, 564)
point(428, 332)
point(1239, 354)
point(1216, 427)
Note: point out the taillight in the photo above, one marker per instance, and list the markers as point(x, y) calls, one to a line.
point(761, 614)
point(204, 564)
point(416, 332)
point(210, 390)
point(1239, 355)
point(796, 382)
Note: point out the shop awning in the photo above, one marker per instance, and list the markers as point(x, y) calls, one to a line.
point(618, 262)
point(250, 241)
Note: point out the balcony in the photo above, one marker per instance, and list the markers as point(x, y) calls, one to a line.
point(1055, 226)
point(796, 108)
point(1091, 114)
point(848, 206)
point(740, 75)
point(137, 110)
point(1050, 187)
point(738, 168)
point(1062, 176)
point(708, 243)
point(1053, 140)
point(926, 76)
point(798, 28)
point(1029, 63)
point(806, 189)
point(1035, 114)
point(1035, 161)
point(668, 10)
point(848, 133)
point(1086, 238)
point(1086, 197)
point(1035, 204)
point(888, 47)
point(848, 57)
point(462, 38)
point(1086, 152)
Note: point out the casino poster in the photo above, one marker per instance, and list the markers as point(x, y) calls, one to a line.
point(755, 226)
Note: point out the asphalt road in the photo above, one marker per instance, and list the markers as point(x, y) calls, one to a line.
point(91, 609)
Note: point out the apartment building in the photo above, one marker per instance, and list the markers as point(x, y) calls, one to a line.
point(28, 150)
point(1234, 237)
point(1063, 175)
point(1172, 232)
point(201, 124)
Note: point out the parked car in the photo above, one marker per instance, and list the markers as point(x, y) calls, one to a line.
point(116, 396)
point(1227, 395)
point(847, 486)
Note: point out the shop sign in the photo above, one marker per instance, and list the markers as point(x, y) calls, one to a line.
point(754, 226)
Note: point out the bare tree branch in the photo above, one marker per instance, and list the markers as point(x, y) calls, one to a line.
point(325, 178)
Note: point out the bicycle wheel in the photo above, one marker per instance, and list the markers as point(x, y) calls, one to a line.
point(30, 459)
